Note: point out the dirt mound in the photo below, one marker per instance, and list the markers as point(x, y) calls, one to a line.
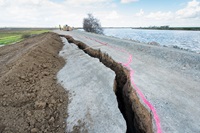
point(30, 98)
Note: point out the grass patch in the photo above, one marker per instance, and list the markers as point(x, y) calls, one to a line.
point(12, 36)
point(10, 39)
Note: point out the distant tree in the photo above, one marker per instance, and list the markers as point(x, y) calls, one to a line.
point(92, 24)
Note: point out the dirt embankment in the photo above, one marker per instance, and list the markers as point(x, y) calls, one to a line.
point(30, 98)
point(138, 118)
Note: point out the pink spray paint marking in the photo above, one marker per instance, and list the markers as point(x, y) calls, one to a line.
point(127, 65)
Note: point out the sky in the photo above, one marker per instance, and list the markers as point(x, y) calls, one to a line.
point(111, 13)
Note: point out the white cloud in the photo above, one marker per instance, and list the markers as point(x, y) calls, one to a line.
point(32, 13)
point(85, 1)
point(45, 13)
point(187, 16)
point(160, 15)
point(1, 2)
point(112, 15)
point(140, 13)
point(193, 3)
point(128, 1)
point(191, 11)
point(88, 3)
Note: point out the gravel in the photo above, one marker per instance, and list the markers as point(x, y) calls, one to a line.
point(169, 78)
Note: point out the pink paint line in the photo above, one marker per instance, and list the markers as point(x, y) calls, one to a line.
point(127, 65)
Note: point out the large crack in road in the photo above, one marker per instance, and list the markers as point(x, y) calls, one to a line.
point(138, 118)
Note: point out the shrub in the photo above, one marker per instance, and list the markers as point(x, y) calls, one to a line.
point(92, 24)
point(24, 36)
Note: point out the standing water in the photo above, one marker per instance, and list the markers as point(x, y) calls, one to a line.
point(188, 40)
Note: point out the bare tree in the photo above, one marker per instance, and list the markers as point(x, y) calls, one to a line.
point(92, 24)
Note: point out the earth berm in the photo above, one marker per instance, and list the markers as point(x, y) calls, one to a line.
point(30, 98)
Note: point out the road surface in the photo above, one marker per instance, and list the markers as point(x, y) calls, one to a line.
point(93, 106)
point(168, 78)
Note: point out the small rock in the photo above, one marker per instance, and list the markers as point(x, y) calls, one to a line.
point(154, 43)
point(22, 77)
point(51, 120)
point(183, 68)
point(30, 74)
point(4, 96)
point(40, 105)
point(34, 130)
point(8, 83)
point(5, 104)
point(47, 94)
point(59, 104)
point(36, 75)
point(28, 113)
point(53, 101)
point(50, 105)
point(31, 69)
point(6, 80)
point(44, 66)
point(46, 73)
point(18, 85)
point(61, 100)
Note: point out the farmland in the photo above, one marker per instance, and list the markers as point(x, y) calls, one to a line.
point(9, 36)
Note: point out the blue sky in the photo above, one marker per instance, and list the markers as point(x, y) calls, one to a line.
point(117, 13)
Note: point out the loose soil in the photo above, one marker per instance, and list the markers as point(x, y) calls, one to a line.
point(30, 98)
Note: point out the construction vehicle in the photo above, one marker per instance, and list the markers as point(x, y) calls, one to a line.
point(67, 28)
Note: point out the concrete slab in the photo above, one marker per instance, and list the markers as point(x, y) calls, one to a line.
point(93, 105)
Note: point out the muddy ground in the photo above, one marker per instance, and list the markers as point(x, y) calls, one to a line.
point(30, 98)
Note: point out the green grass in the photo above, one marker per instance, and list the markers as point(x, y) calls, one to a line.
point(12, 36)
point(10, 39)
